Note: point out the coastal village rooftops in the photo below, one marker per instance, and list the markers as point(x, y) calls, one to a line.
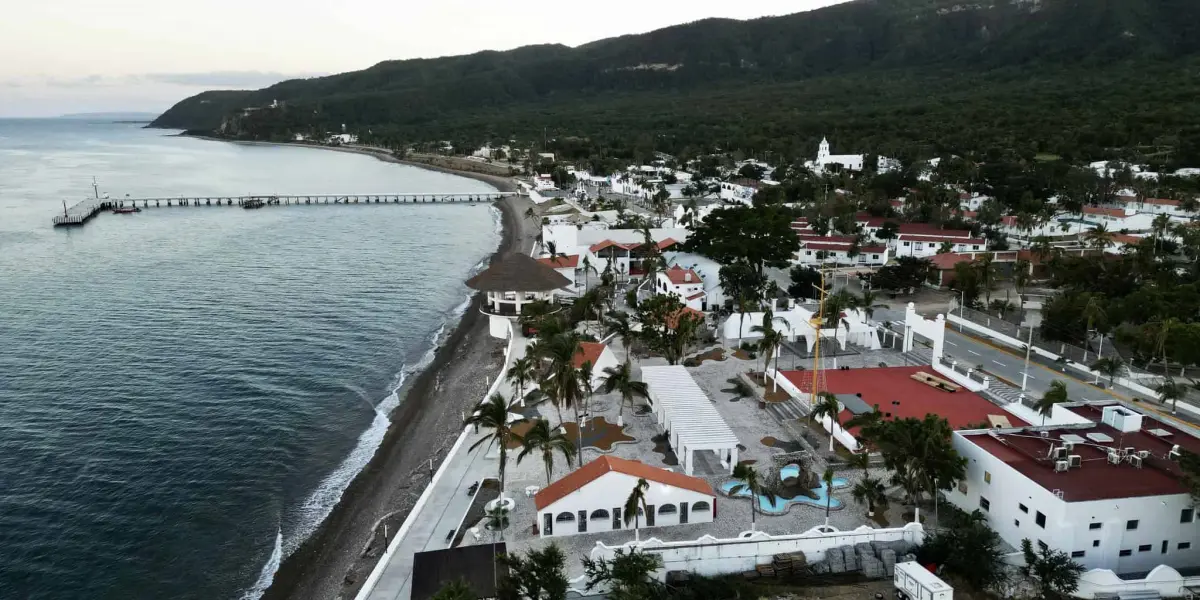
point(826, 239)
point(594, 470)
point(611, 244)
point(681, 276)
point(667, 243)
point(517, 272)
point(1160, 201)
point(1106, 212)
point(899, 396)
point(561, 262)
point(1124, 238)
point(1096, 478)
point(904, 237)
point(945, 262)
point(750, 183)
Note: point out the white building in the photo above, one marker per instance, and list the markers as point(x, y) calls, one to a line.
point(848, 162)
point(684, 284)
point(921, 246)
point(622, 248)
point(565, 266)
point(1109, 493)
point(1116, 219)
point(511, 282)
point(709, 271)
point(884, 164)
point(740, 190)
point(832, 249)
point(1158, 206)
point(591, 498)
point(601, 357)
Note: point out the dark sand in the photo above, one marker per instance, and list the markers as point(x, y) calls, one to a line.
point(336, 560)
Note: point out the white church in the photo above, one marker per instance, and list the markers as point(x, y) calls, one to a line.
point(849, 162)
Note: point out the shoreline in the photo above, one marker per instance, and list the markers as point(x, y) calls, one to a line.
point(336, 558)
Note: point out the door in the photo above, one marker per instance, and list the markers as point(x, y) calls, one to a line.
point(616, 513)
point(683, 513)
point(583, 515)
point(1164, 547)
point(649, 515)
point(548, 524)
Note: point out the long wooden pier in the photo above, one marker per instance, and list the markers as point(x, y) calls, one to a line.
point(83, 211)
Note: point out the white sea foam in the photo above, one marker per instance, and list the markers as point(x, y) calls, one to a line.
point(267, 575)
point(497, 219)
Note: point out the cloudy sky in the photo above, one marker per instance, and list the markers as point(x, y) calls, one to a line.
point(64, 56)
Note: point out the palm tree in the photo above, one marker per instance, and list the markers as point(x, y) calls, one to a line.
point(770, 342)
point(1162, 335)
point(1111, 366)
point(1057, 394)
point(618, 324)
point(861, 460)
point(493, 414)
point(1169, 390)
point(522, 374)
point(1021, 277)
point(561, 380)
point(750, 483)
point(497, 520)
point(1099, 237)
point(946, 248)
point(1160, 225)
point(827, 406)
point(987, 275)
point(767, 329)
point(1042, 248)
point(635, 502)
point(552, 250)
point(620, 379)
point(870, 491)
point(586, 389)
point(827, 479)
point(546, 440)
point(866, 303)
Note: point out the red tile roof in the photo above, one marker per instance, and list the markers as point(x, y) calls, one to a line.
point(1096, 479)
point(826, 247)
point(673, 320)
point(873, 249)
point(609, 243)
point(931, 229)
point(696, 296)
point(1100, 210)
point(945, 262)
point(667, 243)
point(681, 276)
point(1124, 238)
point(588, 352)
point(883, 386)
point(830, 239)
point(592, 471)
point(1161, 201)
point(750, 183)
point(561, 262)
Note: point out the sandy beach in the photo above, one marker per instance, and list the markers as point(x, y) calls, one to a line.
point(336, 560)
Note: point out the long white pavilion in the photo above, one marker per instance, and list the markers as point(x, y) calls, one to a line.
point(684, 410)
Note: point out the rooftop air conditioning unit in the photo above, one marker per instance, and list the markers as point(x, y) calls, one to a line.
point(1069, 445)
point(1143, 454)
point(1059, 452)
point(1075, 461)
point(1175, 448)
point(1044, 433)
point(1114, 458)
point(1061, 466)
point(1135, 461)
point(1129, 450)
point(1173, 455)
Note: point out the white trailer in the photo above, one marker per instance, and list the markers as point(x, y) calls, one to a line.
point(916, 583)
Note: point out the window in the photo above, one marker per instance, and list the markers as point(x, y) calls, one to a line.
point(564, 517)
point(1095, 525)
point(1043, 545)
point(1125, 553)
point(987, 477)
point(600, 514)
point(1077, 554)
point(1145, 547)
point(1131, 525)
point(1016, 523)
point(1183, 546)
point(700, 507)
point(808, 252)
point(984, 504)
point(1024, 509)
point(906, 244)
point(1095, 543)
point(1187, 515)
point(668, 509)
point(1040, 519)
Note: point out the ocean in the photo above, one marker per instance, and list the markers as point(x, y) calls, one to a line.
point(185, 392)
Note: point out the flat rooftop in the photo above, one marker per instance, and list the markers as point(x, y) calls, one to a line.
point(1028, 451)
point(899, 396)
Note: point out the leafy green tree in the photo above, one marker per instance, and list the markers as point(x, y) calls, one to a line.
point(521, 373)
point(1111, 366)
point(1053, 572)
point(870, 491)
point(759, 236)
point(539, 575)
point(493, 414)
point(968, 548)
point(620, 379)
point(742, 283)
point(458, 589)
point(628, 575)
point(546, 441)
point(1057, 394)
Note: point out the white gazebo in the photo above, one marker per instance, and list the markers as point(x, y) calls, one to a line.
point(683, 409)
point(512, 281)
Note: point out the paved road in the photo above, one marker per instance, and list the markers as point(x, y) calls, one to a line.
point(1009, 364)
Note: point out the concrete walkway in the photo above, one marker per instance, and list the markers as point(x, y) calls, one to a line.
point(446, 507)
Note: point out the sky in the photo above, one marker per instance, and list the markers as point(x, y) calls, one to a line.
point(74, 56)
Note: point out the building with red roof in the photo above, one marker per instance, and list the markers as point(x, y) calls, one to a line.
point(590, 499)
point(1108, 490)
point(599, 355)
point(683, 283)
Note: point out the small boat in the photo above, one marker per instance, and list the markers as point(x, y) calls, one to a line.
point(125, 210)
point(253, 203)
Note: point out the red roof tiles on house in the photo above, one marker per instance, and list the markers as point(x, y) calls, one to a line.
point(945, 262)
point(592, 471)
point(609, 244)
point(940, 238)
point(667, 243)
point(561, 262)
point(1124, 238)
point(1161, 201)
point(1100, 210)
point(588, 352)
point(680, 276)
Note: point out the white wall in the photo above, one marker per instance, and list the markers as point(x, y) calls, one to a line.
point(1067, 525)
point(609, 492)
point(915, 249)
point(607, 359)
point(712, 556)
point(1162, 579)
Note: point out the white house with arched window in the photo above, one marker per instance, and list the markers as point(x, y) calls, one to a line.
point(591, 498)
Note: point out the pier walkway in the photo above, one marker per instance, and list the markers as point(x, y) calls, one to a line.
point(83, 211)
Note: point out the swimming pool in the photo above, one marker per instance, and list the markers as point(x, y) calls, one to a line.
point(779, 505)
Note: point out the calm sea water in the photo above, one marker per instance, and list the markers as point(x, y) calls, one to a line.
point(185, 392)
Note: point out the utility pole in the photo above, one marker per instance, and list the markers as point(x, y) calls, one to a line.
point(1028, 349)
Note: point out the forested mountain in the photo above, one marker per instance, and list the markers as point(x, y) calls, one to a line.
point(1058, 75)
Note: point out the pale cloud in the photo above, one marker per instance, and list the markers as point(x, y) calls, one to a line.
point(78, 54)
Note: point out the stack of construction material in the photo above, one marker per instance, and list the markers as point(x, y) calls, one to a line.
point(836, 560)
point(888, 557)
point(765, 570)
point(868, 563)
point(788, 564)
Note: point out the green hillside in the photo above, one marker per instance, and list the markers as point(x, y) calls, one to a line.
point(1058, 76)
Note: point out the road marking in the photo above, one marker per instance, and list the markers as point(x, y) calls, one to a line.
point(974, 352)
point(999, 363)
point(951, 343)
point(1030, 376)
